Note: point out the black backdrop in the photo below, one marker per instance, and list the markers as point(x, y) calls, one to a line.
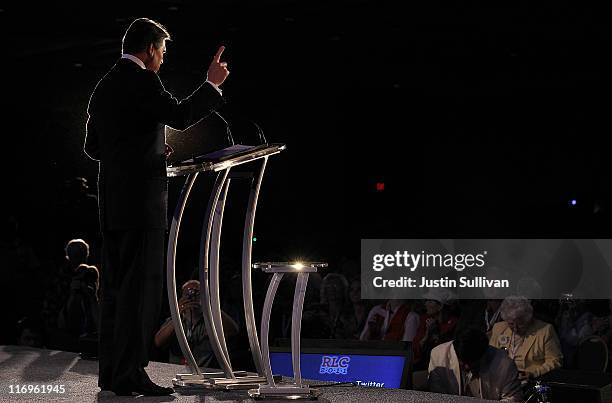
point(481, 119)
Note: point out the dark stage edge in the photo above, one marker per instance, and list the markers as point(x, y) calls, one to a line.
point(31, 366)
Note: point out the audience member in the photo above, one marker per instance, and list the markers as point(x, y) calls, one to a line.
point(393, 320)
point(468, 366)
point(333, 318)
point(76, 252)
point(479, 314)
point(436, 326)
point(361, 308)
point(313, 290)
point(531, 343)
point(574, 324)
point(80, 315)
point(190, 310)
point(600, 319)
point(338, 310)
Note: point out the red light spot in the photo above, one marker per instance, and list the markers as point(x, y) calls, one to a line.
point(380, 186)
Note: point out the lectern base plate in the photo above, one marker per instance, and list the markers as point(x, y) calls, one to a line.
point(219, 383)
point(206, 375)
point(284, 393)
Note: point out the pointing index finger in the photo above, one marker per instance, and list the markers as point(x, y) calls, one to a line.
point(219, 53)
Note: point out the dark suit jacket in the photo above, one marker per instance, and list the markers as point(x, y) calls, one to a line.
point(128, 112)
point(498, 375)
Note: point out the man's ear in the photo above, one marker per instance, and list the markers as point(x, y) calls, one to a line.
point(151, 50)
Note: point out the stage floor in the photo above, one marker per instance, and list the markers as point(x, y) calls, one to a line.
point(30, 366)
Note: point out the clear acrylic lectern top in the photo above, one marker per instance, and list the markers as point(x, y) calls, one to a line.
point(223, 159)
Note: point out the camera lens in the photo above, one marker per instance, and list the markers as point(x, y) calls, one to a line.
point(193, 293)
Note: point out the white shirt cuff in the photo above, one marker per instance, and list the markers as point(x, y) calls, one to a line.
point(215, 86)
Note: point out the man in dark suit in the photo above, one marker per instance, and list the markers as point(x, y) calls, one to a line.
point(128, 112)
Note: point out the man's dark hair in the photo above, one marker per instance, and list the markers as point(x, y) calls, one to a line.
point(141, 33)
point(470, 345)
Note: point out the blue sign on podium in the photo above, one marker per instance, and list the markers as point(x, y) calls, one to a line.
point(382, 371)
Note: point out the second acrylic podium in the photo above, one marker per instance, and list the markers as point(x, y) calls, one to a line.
point(220, 163)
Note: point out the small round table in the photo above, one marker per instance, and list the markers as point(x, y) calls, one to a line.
point(295, 390)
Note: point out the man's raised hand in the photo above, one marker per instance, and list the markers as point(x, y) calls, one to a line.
point(217, 71)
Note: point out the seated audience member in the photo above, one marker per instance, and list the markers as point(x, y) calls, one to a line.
point(468, 366)
point(79, 317)
point(574, 324)
point(531, 343)
point(70, 308)
point(361, 308)
point(333, 317)
point(480, 314)
point(600, 319)
point(437, 325)
point(601, 323)
point(394, 320)
point(56, 297)
point(190, 310)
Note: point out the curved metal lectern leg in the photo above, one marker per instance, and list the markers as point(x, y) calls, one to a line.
point(265, 326)
point(171, 273)
point(247, 288)
point(296, 325)
point(215, 241)
point(205, 295)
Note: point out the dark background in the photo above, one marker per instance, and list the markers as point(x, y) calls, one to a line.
point(482, 119)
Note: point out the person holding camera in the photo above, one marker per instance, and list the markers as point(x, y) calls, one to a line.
point(190, 310)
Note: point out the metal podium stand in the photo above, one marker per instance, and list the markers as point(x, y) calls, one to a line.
point(209, 267)
point(270, 389)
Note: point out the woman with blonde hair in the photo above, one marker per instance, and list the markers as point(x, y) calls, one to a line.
point(531, 343)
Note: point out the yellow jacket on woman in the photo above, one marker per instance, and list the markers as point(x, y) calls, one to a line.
point(540, 351)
